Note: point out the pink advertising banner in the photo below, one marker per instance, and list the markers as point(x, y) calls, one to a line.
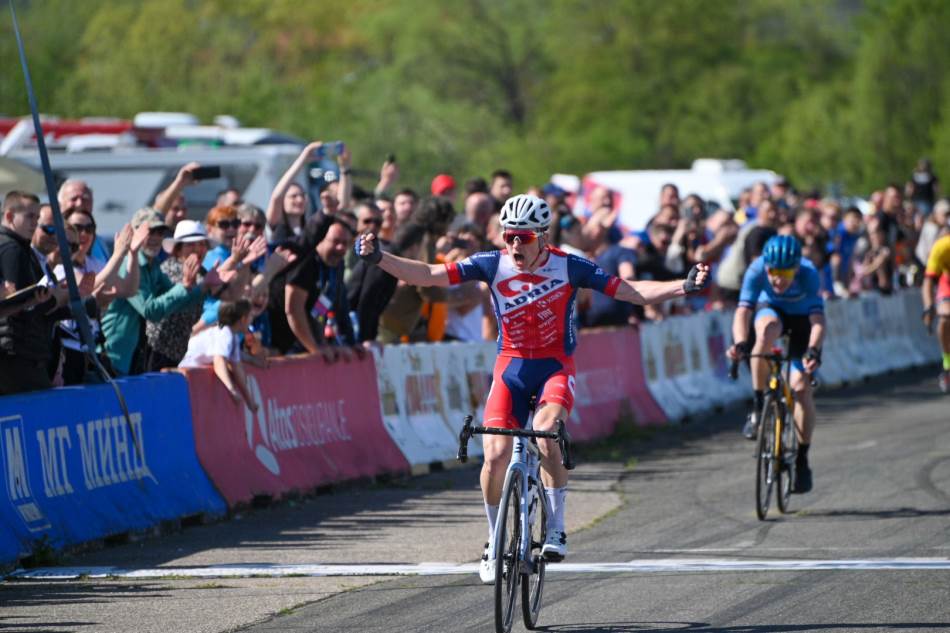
point(610, 384)
point(316, 423)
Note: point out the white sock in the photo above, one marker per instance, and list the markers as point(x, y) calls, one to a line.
point(492, 513)
point(556, 501)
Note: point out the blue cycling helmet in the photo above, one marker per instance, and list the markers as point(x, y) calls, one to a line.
point(782, 251)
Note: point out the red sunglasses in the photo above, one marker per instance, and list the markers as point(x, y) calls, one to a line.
point(526, 237)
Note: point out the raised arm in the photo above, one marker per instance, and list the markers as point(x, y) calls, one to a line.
point(275, 208)
point(649, 292)
point(167, 197)
point(413, 272)
point(131, 242)
point(344, 160)
point(388, 175)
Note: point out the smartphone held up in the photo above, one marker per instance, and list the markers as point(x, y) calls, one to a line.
point(209, 172)
point(331, 148)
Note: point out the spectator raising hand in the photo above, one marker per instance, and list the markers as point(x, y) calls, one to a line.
point(278, 262)
point(213, 278)
point(345, 191)
point(256, 249)
point(189, 271)
point(170, 202)
point(289, 201)
point(138, 237)
point(388, 175)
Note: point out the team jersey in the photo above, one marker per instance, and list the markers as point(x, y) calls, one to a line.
point(534, 311)
point(938, 262)
point(802, 297)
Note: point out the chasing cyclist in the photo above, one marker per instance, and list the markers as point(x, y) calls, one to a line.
point(938, 266)
point(533, 287)
point(782, 289)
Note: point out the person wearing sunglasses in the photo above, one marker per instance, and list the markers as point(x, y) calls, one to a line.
point(105, 272)
point(533, 287)
point(253, 226)
point(782, 291)
point(98, 279)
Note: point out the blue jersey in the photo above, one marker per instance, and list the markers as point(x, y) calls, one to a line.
point(803, 297)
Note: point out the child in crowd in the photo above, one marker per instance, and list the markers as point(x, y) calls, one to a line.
point(220, 347)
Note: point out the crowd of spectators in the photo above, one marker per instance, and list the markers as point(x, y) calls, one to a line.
point(245, 284)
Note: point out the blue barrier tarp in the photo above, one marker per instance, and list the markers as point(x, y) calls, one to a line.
point(72, 472)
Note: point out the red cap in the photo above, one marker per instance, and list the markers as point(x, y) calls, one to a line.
point(441, 184)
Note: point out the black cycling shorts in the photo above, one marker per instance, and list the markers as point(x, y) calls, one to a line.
point(796, 326)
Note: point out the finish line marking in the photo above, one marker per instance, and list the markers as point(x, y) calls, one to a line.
point(449, 569)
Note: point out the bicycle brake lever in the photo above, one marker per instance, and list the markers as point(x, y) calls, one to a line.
point(464, 435)
point(734, 370)
point(564, 443)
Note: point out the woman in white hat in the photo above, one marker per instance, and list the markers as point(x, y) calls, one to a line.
point(168, 338)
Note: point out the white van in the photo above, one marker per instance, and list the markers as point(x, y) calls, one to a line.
point(637, 193)
point(124, 180)
point(126, 163)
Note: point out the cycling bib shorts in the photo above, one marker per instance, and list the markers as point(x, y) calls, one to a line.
point(796, 326)
point(516, 380)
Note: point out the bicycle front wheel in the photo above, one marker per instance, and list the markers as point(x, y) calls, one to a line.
point(788, 452)
point(532, 583)
point(507, 553)
point(765, 464)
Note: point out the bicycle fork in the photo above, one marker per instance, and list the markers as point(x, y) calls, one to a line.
point(526, 459)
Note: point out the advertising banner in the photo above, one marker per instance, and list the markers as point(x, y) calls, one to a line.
point(74, 470)
point(718, 340)
point(316, 423)
point(479, 368)
point(414, 391)
point(610, 384)
point(655, 360)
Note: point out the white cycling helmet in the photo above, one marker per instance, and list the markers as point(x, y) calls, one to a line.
point(525, 212)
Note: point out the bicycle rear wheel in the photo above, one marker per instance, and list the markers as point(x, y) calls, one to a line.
point(764, 463)
point(507, 555)
point(789, 454)
point(532, 584)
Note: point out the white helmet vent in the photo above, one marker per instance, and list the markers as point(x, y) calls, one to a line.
point(525, 212)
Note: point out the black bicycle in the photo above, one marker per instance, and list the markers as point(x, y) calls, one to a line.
point(521, 528)
point(776, 447)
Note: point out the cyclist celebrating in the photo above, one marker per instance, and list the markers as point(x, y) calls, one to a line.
point(785, 288)
point(938, 265)
point(533, 287)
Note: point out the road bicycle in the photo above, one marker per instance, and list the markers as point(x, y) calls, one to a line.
point(776, 447)
point(522, 522)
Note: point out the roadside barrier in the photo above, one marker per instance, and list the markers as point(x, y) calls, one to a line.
point(837, 361)
point(425, 391)
point(316, 424)
point(655, 361)
point(610, 384)
point(73, 473)
point(924, 343)
point(718, 340)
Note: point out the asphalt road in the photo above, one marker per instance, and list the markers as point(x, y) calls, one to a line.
point(881, 461)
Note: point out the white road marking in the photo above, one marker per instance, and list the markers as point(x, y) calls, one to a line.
point(744, 547)
point(445, 569)
point(860, 446)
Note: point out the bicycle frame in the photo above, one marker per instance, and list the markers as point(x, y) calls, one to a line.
point(526, 459)
point(519, 565)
